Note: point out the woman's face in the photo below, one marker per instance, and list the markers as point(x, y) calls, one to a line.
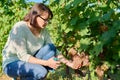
point(43, 20)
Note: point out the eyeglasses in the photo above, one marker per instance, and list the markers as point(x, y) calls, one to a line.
point(45, 20)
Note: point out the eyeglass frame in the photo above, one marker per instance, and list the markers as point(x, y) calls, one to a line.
point(45, 20)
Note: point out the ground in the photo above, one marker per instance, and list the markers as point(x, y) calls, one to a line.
point(4, 77)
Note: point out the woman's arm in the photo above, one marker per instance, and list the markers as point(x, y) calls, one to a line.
point(50, 62)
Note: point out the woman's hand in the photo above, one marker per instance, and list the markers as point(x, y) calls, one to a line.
point(52, 63)
point(72, 65)
point(68, 62)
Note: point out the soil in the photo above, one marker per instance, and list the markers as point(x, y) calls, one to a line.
point(5, 77)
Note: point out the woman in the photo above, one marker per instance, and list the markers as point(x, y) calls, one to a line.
point(29, 52)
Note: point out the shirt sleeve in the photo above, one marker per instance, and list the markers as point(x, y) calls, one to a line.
point(18, 41)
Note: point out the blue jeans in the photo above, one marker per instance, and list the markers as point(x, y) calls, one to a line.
point(29, 71)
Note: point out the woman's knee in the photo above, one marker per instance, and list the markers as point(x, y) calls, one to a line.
point(41, 72)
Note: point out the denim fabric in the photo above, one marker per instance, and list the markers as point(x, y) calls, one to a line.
point(46, 52)
point(29, 71)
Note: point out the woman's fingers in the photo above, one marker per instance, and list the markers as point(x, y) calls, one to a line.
point(54, 63)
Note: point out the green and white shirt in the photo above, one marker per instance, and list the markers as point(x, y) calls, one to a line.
point(22, 44)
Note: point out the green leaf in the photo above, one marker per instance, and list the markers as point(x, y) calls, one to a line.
point(107, 36)
point(107, 16)
point(68, 30)
point(97, 49)
point(119, 53)
point(73, 21)
point(84, 32)
point(76, 2)
point(102, 5)
point(84, 43)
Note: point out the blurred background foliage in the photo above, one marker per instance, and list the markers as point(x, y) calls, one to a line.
point(92, 26)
